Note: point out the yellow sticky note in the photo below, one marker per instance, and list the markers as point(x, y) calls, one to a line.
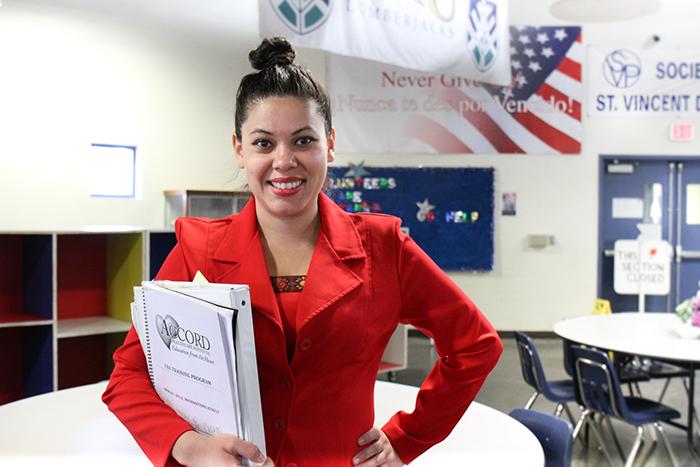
point(602, 307)
point(199, 278)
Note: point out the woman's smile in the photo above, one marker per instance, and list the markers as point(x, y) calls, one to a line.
point(286, 186)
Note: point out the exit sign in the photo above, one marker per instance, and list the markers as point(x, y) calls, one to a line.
point(682, 132)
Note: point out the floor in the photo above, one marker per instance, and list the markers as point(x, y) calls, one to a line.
point(505, 389)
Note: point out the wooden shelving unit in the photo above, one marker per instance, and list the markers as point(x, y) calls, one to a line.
point(64, 305)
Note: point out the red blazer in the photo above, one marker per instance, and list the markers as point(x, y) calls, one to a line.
point(365, 277)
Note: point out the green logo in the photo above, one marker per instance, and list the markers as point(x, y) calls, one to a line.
point(302, 16)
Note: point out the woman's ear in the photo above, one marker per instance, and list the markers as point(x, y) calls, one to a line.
point(238, 149)
point(331, 146)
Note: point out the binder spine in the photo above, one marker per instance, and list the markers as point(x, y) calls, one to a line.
point(149, 358)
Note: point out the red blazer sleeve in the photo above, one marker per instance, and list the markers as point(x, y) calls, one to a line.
point(130, 395)
point(467, 344)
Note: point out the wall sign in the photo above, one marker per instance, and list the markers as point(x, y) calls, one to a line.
point(448, 212)
point(642, 267)
point(634, 82)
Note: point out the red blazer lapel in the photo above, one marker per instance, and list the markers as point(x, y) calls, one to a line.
point(240, 260)
point(329, 278)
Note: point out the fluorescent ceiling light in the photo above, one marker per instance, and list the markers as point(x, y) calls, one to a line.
point(603, 10)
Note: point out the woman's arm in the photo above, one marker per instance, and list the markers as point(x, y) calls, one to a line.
point(467, 345)
point(130, 394)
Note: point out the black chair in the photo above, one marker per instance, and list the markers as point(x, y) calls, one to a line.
point(560, 392)
point(554, 434)
point(598, 390)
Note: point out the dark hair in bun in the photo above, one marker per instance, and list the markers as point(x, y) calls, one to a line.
point(277, 75)
point(272, 51)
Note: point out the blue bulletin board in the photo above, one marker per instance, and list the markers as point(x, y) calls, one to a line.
point(448, 211)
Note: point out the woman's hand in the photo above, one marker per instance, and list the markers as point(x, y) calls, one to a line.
point(196, 449)
point(377, 451)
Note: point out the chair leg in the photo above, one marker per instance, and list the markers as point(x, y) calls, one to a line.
point(652, 434)
point(639, 391)
point(695, 413)
point(532, 400)
point(558, 410)
point(615, 438)
point(635, 447)
point(581, 421)
point(663, 391)
point(568, 414)
point(593, 424)
point(664, 438)
point(577, 427)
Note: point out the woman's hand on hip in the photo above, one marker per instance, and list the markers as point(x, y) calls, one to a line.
point(377, 451)
point(196, 449)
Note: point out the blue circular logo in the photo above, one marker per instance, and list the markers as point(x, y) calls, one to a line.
point(622, 68)
point(302, 17)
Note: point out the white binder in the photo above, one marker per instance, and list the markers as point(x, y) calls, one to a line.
point(200, 348)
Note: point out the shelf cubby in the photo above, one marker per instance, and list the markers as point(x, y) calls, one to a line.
point(86, 359)
point(95, 274)
point(26, 365)
point(26, 279)
point(160, 244)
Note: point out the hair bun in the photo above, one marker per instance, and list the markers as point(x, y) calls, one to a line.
point(272, 51)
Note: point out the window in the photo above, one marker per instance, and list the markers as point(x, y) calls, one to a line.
point(112, 171)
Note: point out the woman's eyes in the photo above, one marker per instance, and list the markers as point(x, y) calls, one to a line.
point(304, 140)
point(301, 141)
point(262, 143)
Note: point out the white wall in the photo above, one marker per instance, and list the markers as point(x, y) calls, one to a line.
point(68, 79)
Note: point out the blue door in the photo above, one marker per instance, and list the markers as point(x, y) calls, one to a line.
point(663, 191)
point(687, 260)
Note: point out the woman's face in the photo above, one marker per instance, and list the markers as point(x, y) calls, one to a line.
point(285, 152)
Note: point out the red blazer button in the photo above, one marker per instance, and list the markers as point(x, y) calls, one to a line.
point(280, 424)
point(305, 345)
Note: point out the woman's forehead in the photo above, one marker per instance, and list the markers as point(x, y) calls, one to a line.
point(289, 107)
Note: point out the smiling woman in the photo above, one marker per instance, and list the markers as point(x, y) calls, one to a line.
point(285, 152)
point(328, 289)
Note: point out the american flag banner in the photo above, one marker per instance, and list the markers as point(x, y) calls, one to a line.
point(383, 109)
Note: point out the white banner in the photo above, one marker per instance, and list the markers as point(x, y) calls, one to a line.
point(463, 37)
point(380, 108)
point(633, 82)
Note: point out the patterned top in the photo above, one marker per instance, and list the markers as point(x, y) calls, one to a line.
point(288, 283)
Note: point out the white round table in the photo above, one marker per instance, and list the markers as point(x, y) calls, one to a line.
point(73, 427)
point(646, 334)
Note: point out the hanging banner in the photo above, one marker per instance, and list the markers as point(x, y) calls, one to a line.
point(469, 38)
point(447, 211)
point(383, 109)
point(632, 82)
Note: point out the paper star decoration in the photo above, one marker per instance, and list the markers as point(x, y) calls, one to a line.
point(424, 209)
point(357, 170)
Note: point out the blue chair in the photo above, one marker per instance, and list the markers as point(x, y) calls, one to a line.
point(598, 390)
point(554, 434)
point(560, 392)
point(626, 372)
